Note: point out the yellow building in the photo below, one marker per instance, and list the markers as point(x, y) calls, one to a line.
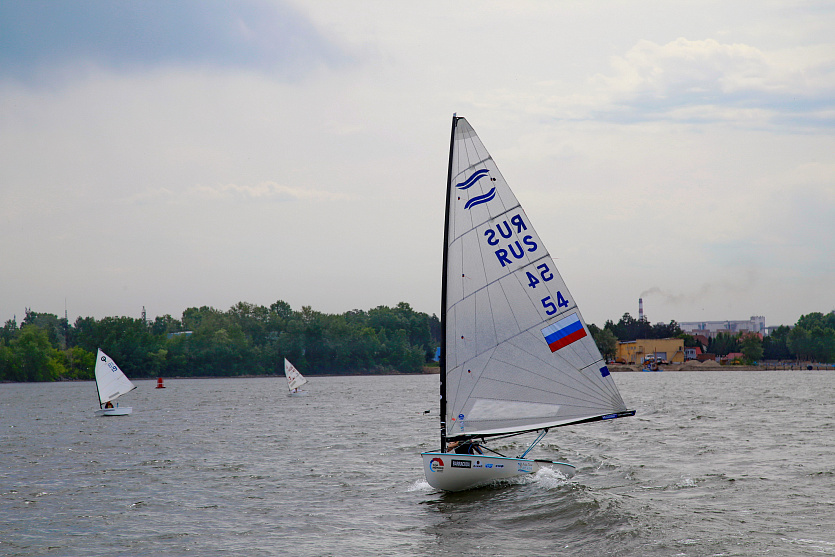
point(665, 349)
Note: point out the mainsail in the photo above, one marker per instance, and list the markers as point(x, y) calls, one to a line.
point(110, 381)
point(517, 354)
point(294, 378)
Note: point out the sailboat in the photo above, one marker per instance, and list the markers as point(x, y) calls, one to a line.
point(516, 356)
point(111, 383)
point(294, 379)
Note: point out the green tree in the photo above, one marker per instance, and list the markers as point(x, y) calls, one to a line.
point(775, 345)
point(813, 337)
point(751, 346)
point(33, 357)
point(605, 340)
point(9, 330)
point(628, 328)
point(78, 364)
point(723, 344)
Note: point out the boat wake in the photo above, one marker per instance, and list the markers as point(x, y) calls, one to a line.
point(547, 478)
point(420, 485)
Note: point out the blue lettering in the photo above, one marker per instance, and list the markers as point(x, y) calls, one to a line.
point(520, 224)
point(491, 237)
point(513, 251)
point(507, 227)
point(502, 255)
point(528, 241)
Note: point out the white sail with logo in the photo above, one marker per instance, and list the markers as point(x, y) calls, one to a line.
point(294, 378)
point(111, 383)
point(516, 355)
point(519, 355)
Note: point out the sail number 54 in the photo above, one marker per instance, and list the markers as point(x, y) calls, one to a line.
point(545, 275)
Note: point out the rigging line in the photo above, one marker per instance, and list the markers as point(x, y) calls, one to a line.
point(537, 440)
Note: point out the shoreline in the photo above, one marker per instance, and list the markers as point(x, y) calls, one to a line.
point(693, 365)
point(434, 370)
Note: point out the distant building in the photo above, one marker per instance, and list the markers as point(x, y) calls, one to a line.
point(710, 328)
point(665, 349)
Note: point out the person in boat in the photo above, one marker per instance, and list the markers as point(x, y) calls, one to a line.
point(108, 404)
point(466, 447)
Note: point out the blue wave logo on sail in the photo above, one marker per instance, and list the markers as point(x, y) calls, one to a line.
point(479, 199)
point(475, 177)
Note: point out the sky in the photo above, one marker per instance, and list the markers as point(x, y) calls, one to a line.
point(169, 155)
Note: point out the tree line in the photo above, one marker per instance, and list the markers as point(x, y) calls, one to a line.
point(247, 339)
point(812, 338)
point(250, 339)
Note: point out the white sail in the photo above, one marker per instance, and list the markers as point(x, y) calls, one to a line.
point(294, 378)
point(110, 380)
point(518, 354)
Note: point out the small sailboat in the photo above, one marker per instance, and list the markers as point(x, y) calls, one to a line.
point(516, 356)
point(294, 379)
point(111, 383)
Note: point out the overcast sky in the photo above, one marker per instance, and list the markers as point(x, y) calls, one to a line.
point(178, 154)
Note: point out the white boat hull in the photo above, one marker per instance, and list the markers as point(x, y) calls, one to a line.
point(118, 411)
point(456, 472)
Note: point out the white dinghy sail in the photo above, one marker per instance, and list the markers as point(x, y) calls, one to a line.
point(294, 379)
point(111, 383)
point(516, 355)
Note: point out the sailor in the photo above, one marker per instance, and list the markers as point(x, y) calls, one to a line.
point(108, 404)
point(467, 447)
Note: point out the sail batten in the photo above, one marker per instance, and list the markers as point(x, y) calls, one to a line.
point(517, 354)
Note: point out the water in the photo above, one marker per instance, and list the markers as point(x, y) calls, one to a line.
point(733, 463)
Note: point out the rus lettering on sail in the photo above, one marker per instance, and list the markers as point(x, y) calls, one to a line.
point(506, 230)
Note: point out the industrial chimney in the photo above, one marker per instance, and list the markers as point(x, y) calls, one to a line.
point(640, 309)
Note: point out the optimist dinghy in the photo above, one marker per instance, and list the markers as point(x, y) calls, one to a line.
point(516, 356)
point(111, 383)
point(294, 379)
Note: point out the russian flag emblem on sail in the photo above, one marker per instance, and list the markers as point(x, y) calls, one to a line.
point(564, 332)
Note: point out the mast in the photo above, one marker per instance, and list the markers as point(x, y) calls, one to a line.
point(442, 358)
point(96, 377)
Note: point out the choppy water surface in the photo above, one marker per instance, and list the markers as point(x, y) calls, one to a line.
point(715, 463)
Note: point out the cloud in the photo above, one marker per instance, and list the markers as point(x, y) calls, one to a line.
point(41, 37)
point(744, 283)
point(706, 80)
point(263, 192)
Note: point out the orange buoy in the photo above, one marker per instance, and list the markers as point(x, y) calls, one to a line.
point(159, 383)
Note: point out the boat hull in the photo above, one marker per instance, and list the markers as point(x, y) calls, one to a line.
point(118, 411)
point(457, 472)
point(299, 393)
